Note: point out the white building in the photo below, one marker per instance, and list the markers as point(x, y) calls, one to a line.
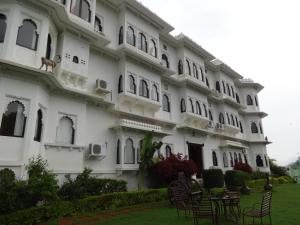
point(119, 74)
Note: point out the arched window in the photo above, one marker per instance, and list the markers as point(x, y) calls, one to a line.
point(236, 121)
point(260, 128)
point(254, 129)
point(121, 35)
point(154, 93)
point(228, 118)
point(218, 87)
point(182, 105)
point(231, 159)
point(221, 118)
point(195, 71)
point(153, 48)
point(48, 50)
point(205, 110)
point(198, 108)
point(65, 131)
point(3, 26)
point(82, 9)
point(27, 35)
point(129, 152)
point(120, 84)
point(232, 120)
point(168, 151)
point(232, 91)
point(143, 89)
point(118, 152)
point(225, 159)
point(259, 161)
point(237, 98)
point(130, 36)
point(132, 85)
point(188, 67)
point(166, 103)
point(245, 158)
point(228, 90)
point(165, 61)
point(211, 118)
point(191, 105)
point(202, 74)
point(241, 128)
point(266, 161)
point(75, 59)
point(224, 88)
point(180, 67)
point(98, 25)
point(256, 102)
point(13, 120)
point(235, 158)
point(142, 43)
point(214, 158)
point(207, 82)
point(240, 158)
point(249, 100)
point(38, 126)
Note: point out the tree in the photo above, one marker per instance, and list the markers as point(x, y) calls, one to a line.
point(277, 170)
point(147, 152)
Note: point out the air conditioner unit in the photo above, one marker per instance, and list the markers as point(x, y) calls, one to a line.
point(97, 150)
point(101, 84)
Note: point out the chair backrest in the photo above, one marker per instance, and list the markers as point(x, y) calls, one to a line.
point(202, 207)
point(184, 180)
point(179, 194)
point(266, 203)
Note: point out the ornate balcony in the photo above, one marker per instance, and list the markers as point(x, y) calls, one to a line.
point(231, 130)
point(194, 82)
point(133, 100)
point(194, 120)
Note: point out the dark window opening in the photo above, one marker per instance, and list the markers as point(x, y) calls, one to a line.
point(75, 59)
point(143, 89)
point(259, 161)
point(249, 100)
point(215, 159)
point(39, 126)
point(98, 25)
point(180, 67)
point(13, 120)
point(165, 61)
point(132, 85)
point(49, 43)
point(3, 26)
point(182, 105)
point(142, 43)
point(130, 36)
point(166, 103)
point(254, 129)
point(27, 35)
point(81, 8)
point(121, 35)
point(120, 84)
point(218, 87)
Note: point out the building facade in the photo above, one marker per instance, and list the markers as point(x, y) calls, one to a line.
point(119, 73)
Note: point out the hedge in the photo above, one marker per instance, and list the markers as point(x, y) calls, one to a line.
point(213, 178)
point(37, 215)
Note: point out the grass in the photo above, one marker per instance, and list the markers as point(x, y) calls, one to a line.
point(285, 211)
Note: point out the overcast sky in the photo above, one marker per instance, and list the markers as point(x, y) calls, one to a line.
point(260, 39)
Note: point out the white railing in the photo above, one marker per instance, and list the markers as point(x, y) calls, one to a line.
point(141, 125)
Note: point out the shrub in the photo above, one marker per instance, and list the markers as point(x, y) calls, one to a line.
point(86, 185)
point(213, 178)
point(8, 194)
point(167, 170)
point(243, 167)
point(235, 178)
point(259, 175)
point(41, 184)
point(38, 215)
point(258, 183)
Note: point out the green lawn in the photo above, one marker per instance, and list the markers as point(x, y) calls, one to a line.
point(285, 211)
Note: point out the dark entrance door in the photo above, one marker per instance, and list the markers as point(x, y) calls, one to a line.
point(195, 154)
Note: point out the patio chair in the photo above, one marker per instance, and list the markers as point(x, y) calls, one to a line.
point(202, 208)
point(232, 204)
point(180, 197)
point(265, 209)
point(191, 185)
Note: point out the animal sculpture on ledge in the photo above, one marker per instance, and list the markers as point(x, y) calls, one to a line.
point(49, 62)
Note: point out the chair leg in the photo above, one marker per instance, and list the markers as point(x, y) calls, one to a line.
point(252, 220)
point(243, 219)
point(261, 220)
point(270, 219)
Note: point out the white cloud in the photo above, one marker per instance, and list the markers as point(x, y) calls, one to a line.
point(259, 39)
